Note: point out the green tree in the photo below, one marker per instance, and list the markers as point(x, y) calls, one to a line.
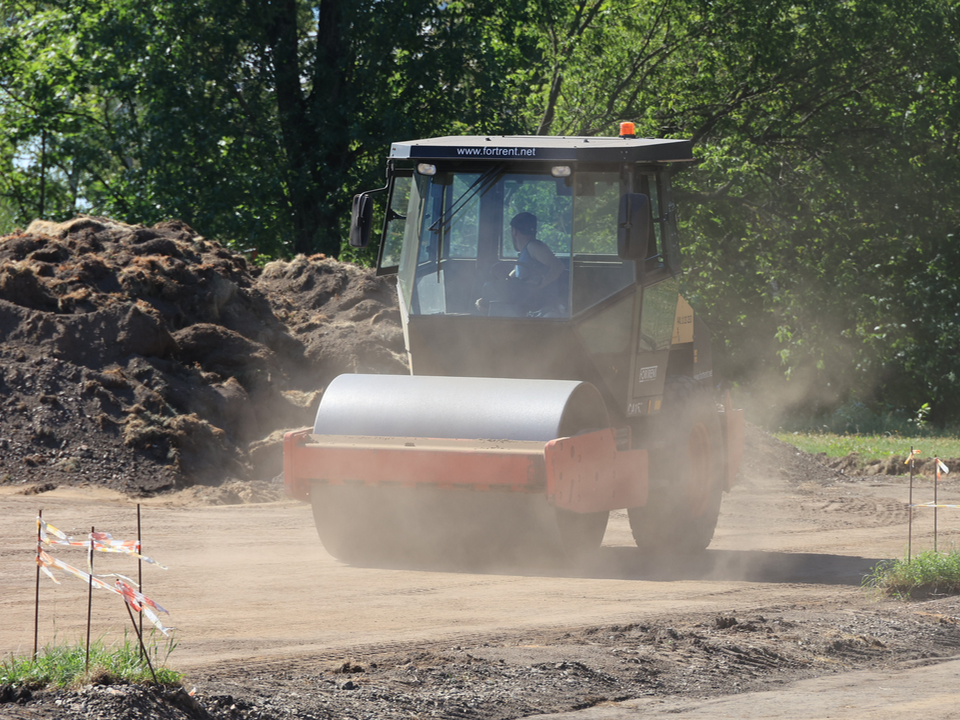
point(818, 219)
point(254, 122)
point(42, 107)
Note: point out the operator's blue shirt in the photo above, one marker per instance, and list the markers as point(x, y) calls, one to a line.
point(528, 267)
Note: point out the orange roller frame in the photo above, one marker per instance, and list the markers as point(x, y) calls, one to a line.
point(585, 473)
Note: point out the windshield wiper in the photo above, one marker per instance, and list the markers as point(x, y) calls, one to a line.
point(479, 186)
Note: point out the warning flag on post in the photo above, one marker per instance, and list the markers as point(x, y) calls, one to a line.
point(941, 467)
point(134, 598)
point(141, 603)
point(47, 561)
point(123, 586)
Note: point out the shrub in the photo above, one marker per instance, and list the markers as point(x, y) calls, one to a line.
point(65, 666)
point(926, 573)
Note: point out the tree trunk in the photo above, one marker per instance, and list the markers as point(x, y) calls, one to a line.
point(304, 134)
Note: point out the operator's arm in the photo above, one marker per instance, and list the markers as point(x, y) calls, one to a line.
point(543, 255)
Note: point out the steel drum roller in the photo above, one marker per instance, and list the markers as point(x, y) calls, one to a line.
point(452, 407)
point(360, 523)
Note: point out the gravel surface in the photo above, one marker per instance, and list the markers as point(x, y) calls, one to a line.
point(695, 656)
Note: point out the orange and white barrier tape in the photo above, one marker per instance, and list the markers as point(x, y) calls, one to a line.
point(123, 586)
point(102, 541)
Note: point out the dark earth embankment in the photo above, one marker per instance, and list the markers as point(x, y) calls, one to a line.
point(152, 359)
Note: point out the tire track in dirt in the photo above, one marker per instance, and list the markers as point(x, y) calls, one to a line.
point(869, 512)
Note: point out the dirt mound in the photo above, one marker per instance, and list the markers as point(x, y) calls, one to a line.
point(147, 359)
point(854, 464)
point(345, 317)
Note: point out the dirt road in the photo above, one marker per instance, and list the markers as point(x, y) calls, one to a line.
point(253, 580)
point(251, 590)
point(929, 691)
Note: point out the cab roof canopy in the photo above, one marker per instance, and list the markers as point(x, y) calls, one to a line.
point(540, 147)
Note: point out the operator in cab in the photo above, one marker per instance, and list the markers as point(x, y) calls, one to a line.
point(531, 287)
point(536, 265)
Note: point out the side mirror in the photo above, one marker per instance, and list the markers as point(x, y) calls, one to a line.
point(633, 226)
point(361, 220)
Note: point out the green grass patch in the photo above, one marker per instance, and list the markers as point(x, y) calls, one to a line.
point(65, 666)
point(926, 573)
point(871, 447)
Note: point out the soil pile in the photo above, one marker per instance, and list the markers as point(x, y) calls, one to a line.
point(149, 359)
point(853, 464)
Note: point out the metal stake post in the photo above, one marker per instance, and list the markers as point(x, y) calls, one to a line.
point(910, 506)
point(143, 650)
point(89, 598)
point(936, 483)
point(36, 602)
point(140, 574)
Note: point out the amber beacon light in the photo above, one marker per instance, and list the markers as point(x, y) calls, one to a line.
point(627, 130)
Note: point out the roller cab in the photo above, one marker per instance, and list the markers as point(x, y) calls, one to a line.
point(554, 366)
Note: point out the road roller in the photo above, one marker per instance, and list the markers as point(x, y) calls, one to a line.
point(555, 371)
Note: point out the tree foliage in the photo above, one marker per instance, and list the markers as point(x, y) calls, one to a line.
point(819, 222)
point(254, 122)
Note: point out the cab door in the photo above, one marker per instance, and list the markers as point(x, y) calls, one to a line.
point(396, 212)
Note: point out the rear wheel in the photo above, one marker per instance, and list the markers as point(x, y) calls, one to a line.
point(686, 473)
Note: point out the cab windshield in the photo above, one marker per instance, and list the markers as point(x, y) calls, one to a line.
point(498, 242)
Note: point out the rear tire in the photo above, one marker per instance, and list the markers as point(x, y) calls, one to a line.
point(686, 473)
